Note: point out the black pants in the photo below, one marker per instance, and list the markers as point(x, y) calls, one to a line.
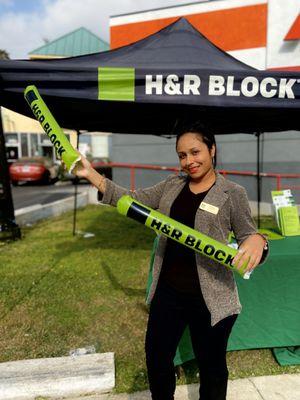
point(170, 313)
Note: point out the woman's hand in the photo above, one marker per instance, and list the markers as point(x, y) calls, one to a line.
point(83, 168)
point(251, 249)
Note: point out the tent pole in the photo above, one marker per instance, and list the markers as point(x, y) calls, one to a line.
point(258, 177)
point(8, 227)
point(75, 192)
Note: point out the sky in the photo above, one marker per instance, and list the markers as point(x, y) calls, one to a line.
point(26, 24)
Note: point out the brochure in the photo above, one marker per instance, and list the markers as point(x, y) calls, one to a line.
point(286, 212)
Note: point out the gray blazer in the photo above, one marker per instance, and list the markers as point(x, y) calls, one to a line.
point(217, 282)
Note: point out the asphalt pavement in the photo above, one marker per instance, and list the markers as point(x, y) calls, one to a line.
point(26, 195)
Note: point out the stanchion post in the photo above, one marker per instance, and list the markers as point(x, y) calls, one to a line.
point(132, 178)
point(76, 180)
point(258, 181)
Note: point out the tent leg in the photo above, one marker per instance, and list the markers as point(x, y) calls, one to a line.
point(8, 226)
point(75, 193)
point(258, 177)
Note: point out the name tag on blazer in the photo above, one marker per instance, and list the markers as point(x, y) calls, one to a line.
point(209, 208)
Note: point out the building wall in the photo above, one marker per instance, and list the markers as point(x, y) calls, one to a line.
point(246, 39)
point(25, 136)
point(280, 52)
point(252, 31)
point(14, 122)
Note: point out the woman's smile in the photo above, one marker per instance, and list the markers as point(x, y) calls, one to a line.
point(193, 170)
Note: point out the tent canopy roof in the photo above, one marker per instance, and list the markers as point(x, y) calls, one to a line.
point(178, 45)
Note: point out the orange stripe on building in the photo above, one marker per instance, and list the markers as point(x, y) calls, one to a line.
point(291, 68)
point(230, 29)
point(294, 32)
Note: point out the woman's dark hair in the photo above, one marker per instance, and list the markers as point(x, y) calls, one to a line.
point(203, 131)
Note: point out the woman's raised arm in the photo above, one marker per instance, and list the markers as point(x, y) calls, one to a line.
point(85, 170)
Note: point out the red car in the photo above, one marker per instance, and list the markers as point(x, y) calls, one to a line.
point(33, 169)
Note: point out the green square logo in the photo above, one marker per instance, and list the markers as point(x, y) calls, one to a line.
point(116, 84)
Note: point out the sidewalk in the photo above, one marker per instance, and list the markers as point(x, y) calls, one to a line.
point(81, 377)
point(276, 387)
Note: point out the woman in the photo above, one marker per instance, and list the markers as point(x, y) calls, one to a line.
point(188, 289)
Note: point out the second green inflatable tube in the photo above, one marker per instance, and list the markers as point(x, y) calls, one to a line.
point(181, 233)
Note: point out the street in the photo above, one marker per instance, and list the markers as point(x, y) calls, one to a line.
point(28, 195)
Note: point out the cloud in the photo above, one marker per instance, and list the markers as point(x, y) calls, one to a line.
point(16, 37)
point(6, 3)
point(22, 32)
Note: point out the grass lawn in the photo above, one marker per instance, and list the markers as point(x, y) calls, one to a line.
point(59, 292)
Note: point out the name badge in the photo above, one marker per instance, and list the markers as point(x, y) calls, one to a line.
point(209, 208)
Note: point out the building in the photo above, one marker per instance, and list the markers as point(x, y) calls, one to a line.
point(262, 33)
point(25, 137)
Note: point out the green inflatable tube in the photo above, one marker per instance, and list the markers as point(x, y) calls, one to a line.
point(63, 147)
point(181, 233)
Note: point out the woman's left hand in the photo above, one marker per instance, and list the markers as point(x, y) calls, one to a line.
point(251, 249)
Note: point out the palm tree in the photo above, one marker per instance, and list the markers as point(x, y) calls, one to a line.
point(4, 55)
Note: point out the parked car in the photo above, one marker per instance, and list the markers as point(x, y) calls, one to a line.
point(33, 169)
point(99, 164)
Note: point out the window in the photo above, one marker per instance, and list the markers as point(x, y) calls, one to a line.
point(24, 145)
point(11, 138)
point(34, 150)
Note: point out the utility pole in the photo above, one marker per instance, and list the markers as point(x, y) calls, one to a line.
point(8, 227)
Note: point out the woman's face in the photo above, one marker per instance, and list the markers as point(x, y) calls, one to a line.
point(194, 156)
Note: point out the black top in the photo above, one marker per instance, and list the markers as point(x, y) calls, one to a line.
point(179, 268)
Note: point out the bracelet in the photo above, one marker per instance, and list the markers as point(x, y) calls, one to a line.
point(266, 245)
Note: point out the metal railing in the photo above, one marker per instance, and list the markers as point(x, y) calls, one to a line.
point(225, 173)
point(277, 176)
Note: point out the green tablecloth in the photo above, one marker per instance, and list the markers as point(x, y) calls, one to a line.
point(271, 300)
point(271, 304)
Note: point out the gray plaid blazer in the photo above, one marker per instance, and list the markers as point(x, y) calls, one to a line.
point(217, 282)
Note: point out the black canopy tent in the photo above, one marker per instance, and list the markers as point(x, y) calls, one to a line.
point(146, 87)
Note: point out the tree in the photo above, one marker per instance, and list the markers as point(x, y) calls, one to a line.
point(4, 55)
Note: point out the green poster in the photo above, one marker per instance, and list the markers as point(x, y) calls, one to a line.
point(289, 220)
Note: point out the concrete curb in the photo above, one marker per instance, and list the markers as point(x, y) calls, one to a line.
point(57, 377)
point(265, 208)
point(32, 214)
point(37, 212)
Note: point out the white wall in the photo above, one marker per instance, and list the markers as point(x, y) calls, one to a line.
point(100, 145)
point(281, 16)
